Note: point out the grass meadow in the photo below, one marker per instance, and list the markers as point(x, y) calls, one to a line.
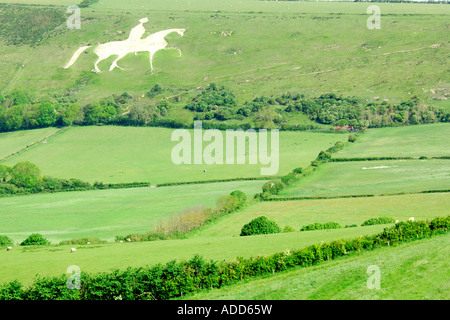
point(13, 142)
point(372, 178)
point(105, 214)
point(410, 141)
point(138, 154)
point(414, 271)
point(26, 262)
point(348, 211)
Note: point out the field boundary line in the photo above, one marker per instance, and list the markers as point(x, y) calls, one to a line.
point(34, 144)
point(356, 195)
point(357, 159)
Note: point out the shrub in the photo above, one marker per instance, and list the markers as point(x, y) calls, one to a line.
point(298, 170)
point(350, 226)
point(379, 220)
point(313, 226)
point(35, 239)
point(332, 225)
point(288, 229)
point(242, 198)
point(5, 241)
point(82, 241)
point(351, 138)
point(260, 225)
point(273, 187)
point(320, 226)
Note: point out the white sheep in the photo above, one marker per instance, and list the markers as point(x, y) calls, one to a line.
point(411, 219)
point(9, 248)
point(396, 221)
point(128, 240)
point(73, 250)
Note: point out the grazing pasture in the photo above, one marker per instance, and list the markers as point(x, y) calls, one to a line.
point(107, 213)
point(431, 140)
point(137, 154)
point(412, 271)
point(373, 178)
point(347, 211)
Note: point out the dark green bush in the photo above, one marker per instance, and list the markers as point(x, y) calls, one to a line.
point(379, 220)
point(273, 187)
point(5, 241)
point(35, 239)
point(351, 138)
point(320, 226)
point(260, 225)
point(176, 279)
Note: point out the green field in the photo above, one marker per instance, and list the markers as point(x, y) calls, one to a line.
point(26, 262)
point(410, 141)
point(373, 178)
point(107, 213)
point(348, 211)
point(13, 142)
point(128, 154)
point(414, 271)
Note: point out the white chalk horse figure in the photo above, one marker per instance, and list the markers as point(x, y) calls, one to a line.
point(134, 43)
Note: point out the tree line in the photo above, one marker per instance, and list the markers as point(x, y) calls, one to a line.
point(214, 105)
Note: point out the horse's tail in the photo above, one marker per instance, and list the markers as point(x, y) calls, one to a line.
point(75, 56)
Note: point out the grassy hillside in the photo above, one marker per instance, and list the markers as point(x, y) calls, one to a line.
point(373, 177)
point(412, 271)
point(107, 213)
point(343, 211)
point(26, 262)
point(13, 142)
point(413, 141)
point(128, 154)
point(274, 47)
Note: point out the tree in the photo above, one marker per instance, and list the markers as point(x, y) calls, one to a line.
point(47, 115)
point(25, 174)
point(71, 114)
point(260, 225)
point(35, 239)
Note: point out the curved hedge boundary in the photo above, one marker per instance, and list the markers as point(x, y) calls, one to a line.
point(175, 279)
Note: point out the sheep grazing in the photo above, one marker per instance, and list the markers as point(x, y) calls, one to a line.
point(411, 219)
point(396, 221)
point(73, 250)
point(9, 248)
point(128, 240)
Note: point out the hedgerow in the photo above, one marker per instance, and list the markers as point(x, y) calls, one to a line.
point(379, 220)
point(175, 279)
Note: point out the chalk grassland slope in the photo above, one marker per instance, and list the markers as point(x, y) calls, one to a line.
point(274, 47)
point(107, 213)
point(412, 141)
point(130, 154)
point(412, 271)
point(24, 263)
point(373, 178)
point(348, 211)
point(13, 142)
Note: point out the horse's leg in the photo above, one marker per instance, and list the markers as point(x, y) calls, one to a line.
point(151, 60)
point(114, 64)
point(96, 69)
